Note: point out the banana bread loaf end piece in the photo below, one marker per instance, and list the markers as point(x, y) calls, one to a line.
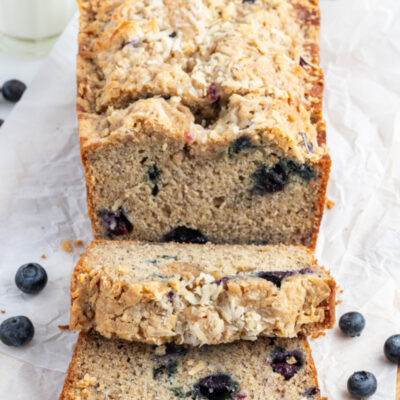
point(199, 294)
point(266, 369)
point(202, 117)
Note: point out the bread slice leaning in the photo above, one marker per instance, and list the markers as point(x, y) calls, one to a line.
point(199, 294)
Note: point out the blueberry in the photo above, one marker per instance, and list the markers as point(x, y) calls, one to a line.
point(303, 170)
point(13, 90)
point(115, 223)
point(241, 143)
point(172, 35)
point(352, 324)
point(392, 349)
point(287, 363)
point(1, 122)
point(312, 391)
point(172, 349)
point(213, 93)
point(362, 384)
point(181, 234)
point(16, 331)
point(216, 387)
point(153, 173)
point(31, 278)
point(269, 180)
point(170, 369)
point(276, 277)
point(248, 1)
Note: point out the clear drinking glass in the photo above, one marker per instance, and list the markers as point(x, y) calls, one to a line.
point(32, 26)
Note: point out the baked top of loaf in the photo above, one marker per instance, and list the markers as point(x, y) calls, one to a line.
point(267, 369)
point(202, 72)
point(199, 294)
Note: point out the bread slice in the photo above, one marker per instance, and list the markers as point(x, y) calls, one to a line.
point(202, 115)
point(199, 294)
point(103, 369)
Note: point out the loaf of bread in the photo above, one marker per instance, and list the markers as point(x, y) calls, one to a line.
point(201, 120)
point(199, 294)
point(103, 369)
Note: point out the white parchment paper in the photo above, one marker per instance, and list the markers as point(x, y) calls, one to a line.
point(42, 202)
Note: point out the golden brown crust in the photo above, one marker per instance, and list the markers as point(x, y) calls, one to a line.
point(69, 378)
point(325, 165)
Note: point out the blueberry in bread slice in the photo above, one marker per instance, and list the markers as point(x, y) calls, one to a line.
point(202, 116)
point(116, 369)
point(199, 293)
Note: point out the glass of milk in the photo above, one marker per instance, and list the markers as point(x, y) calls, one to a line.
point(31, 26)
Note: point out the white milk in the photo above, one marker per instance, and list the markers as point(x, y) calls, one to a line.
point(35, 19)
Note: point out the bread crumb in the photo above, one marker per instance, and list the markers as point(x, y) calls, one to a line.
point(43, 256)
point(338, 302)
point(57, 205)
point(66, 245)
point(42, 228)
point(329, 203)
point(78, 243)
point(63, 327)
point(316, 335)
point(3, 311)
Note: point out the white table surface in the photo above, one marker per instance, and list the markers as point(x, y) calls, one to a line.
point(24, 68)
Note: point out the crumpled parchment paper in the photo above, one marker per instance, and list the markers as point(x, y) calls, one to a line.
point(42, 202)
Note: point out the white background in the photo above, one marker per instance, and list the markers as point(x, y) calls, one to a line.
point(42, 201)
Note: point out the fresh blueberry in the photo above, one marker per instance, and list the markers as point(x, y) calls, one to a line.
point(392, 349)
point(16, 331)
point(13, 90)
point(352, 324)
point(312, 391)
point(181, 234)
point(362, 384)
point(31, 278)
point(216, 387)
point(269, 180)
point(287, 363)
point(1, 122)
point(115, 223)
